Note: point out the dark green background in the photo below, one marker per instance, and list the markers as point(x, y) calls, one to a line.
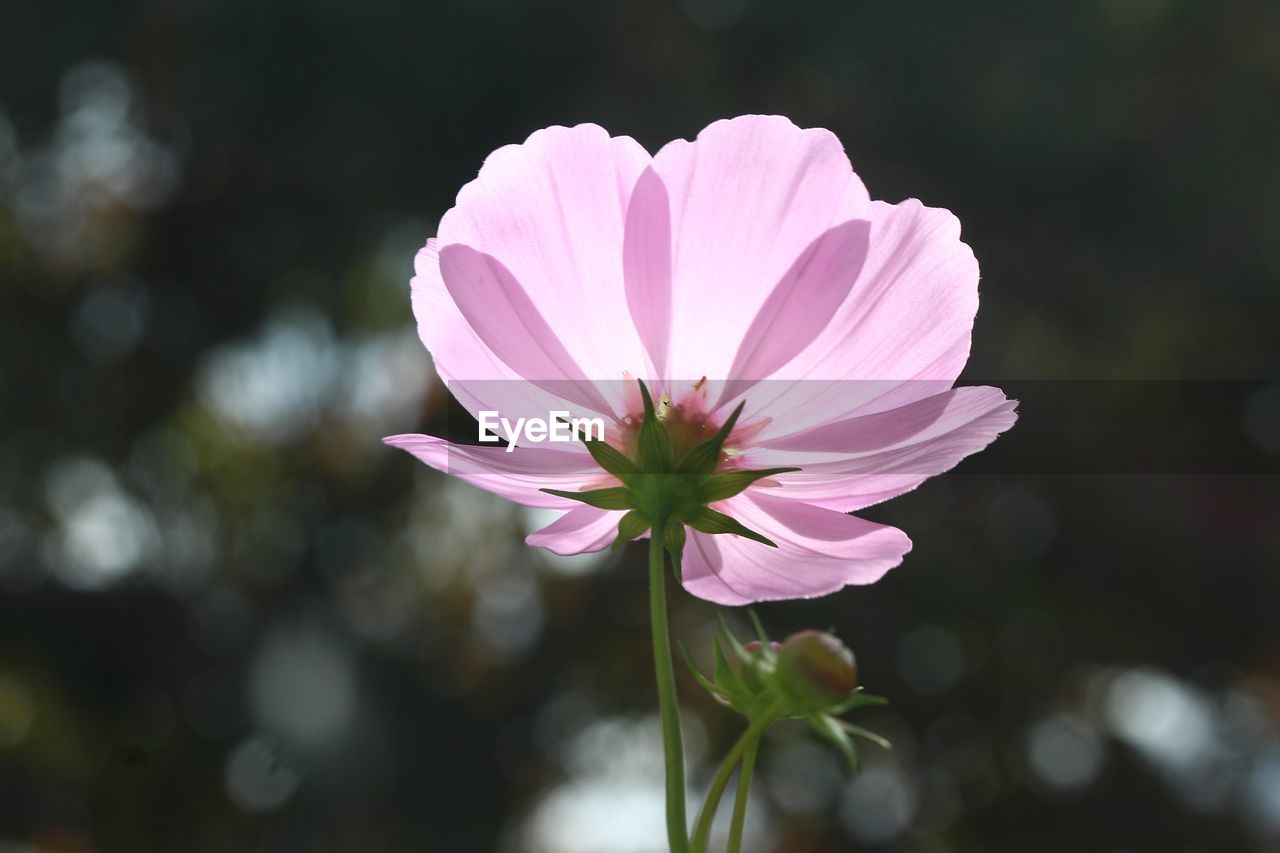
point(1116, 167)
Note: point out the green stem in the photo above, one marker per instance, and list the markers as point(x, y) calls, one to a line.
point(744, 788)
point(702, 829)
point(672, 747)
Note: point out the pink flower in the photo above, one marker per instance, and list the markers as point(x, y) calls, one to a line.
point(747, 265)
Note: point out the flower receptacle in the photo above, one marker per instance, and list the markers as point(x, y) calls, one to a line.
point(666, 487)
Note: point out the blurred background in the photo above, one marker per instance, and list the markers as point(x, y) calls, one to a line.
point(231, 619)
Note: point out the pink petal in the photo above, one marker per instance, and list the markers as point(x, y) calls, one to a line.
point(646, 264)
point(747, 197)
point(447, 335)
point(578, 531)
point(552, 212)
point(910, 314)
point(819, 551)
point(800, 305)
point(516, 476)
point(510, 324)
point(901, 335)
point(859, 461)
point(482, 380)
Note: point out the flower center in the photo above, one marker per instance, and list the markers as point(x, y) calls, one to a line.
point(687, 425)
point(669, 468)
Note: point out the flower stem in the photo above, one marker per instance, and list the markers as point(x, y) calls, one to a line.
point(744, 788)
point(672, 747)
point(702, 829)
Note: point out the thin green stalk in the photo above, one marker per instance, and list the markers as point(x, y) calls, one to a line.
point(672, 747)
point(702, 829)
point(744, 788)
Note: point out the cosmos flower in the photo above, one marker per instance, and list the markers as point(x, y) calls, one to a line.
point(747, 268)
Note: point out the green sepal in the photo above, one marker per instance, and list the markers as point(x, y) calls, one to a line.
point(613, 498)
point(611, 459)
point(606, 455)
point(723, 486)
point(724, 673)
point(707, 520)
point(704, 458)
point(738, 649)
point(673, 539)
point(704, 682)
point(730, 688)
point(633, 524)
point(858, 699)
point(865, 734)
point(758, 627)
point(653, 444)
point(830, 730)
point(725, 692)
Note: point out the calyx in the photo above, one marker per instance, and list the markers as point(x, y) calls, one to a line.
point(665, 490)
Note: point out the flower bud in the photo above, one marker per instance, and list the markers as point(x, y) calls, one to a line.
point(750, 670)
point(815, 670)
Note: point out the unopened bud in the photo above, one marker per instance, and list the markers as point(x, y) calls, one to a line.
point(816, 670)
point(750, 670)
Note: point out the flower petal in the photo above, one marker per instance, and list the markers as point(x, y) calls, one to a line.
point(578, 531)
point(860, 461)
point(510, 324)
point(646, 265)
point(910, 314)
point(800, 305)
point(902, 333)
point(552, 211)
point(819, 551)
point(518, 476)
point(482, 380)
point(444, 331)
point(747, 197)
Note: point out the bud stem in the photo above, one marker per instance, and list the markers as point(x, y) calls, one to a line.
point(673, 748)
point(744, 789)
point(702, 830)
